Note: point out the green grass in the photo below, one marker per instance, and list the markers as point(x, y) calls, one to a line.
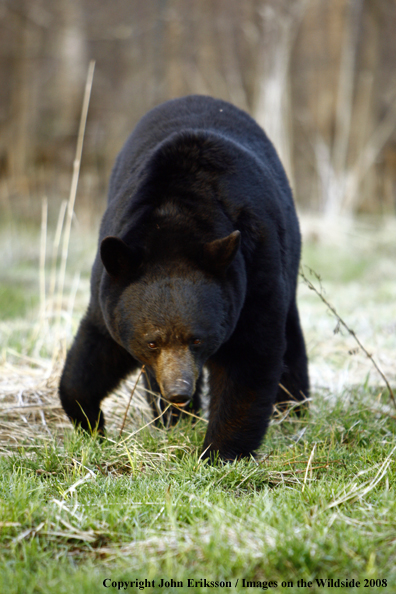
point(318, 503)
point(15, 302)
point(76, 511)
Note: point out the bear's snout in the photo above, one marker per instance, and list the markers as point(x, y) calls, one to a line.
point(176, 374)
point(179, 392)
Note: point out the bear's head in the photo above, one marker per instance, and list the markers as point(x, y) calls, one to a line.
point(171, 315)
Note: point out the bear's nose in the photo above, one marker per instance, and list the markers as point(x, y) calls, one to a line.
point(179, 392)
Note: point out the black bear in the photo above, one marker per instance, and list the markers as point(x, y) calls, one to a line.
point(197, 265)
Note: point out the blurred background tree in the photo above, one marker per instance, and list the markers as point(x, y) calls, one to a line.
point(318, 75)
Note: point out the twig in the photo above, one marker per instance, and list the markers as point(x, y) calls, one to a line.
point(43, 249)
point(39, 327)
point(73, 187)
point(130, 400)
point(347, 328)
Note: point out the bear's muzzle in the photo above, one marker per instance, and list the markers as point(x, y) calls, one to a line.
point(176, 374)
point(179, 392)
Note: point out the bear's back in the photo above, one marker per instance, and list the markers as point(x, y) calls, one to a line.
point(193, 113)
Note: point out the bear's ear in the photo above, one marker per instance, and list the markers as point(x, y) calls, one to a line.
point(218, 254)
point(118, 258)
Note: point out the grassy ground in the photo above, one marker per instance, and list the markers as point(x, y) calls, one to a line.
point(319, 503)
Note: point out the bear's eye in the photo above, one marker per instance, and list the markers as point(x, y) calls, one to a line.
point(152, 345)
point(197, 341)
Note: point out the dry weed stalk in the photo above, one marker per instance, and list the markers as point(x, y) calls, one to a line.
point(74, 184)
point(43, 250)
point(319, 293)
point(309, 463)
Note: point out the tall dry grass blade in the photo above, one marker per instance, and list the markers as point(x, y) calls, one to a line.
point(308, 467)
point(54, 258)
point(39, 328)
point(43, 249)
point(73, 187)
point(130, 400)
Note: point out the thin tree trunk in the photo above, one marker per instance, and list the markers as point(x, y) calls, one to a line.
point(279, 28)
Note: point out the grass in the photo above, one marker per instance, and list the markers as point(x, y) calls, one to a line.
point(15, 302)
point(75, 511)
point(319, 502)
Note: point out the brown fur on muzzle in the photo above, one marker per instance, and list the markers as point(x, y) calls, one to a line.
point(176, 373)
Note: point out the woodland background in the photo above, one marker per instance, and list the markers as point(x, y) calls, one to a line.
point(318, 75)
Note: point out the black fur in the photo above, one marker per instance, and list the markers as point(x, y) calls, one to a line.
point(173, 270)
